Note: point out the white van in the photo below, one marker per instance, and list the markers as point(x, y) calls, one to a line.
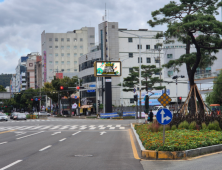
point(155, 109)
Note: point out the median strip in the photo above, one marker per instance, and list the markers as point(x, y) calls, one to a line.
point(136, 156)
point(10, 165)
point(45, 148)
point(30, 135)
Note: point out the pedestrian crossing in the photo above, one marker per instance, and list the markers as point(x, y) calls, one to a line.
point(63, 127)
point(36, 120)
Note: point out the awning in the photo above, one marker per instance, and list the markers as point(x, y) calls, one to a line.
point(86, 106)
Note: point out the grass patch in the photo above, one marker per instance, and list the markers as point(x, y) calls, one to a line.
point(178, 139)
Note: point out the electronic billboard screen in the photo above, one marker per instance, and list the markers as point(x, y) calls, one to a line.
point(107, 68)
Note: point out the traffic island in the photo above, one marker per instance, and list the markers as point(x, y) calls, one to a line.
point(193, 142)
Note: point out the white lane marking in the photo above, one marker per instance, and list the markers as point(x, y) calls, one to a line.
point(3, 143)
point(92, 128)
point(102, 128)
point(109, 126)
point(36, 127)
point(82, 128)
point(29, 135)
point(73, 127)
point(56, 127)
point(27, 127)
point(19, 133)
point(56, 133)
point(101, 133)
point(118, 125)
point(62, 139)
point(65, 127)
point(76, 133)
point(45, 148)
point(6, 167)
point(112, 127)
point(122, 128)
point(46, 127)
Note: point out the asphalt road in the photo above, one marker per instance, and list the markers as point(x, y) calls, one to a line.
point(81, 144)
point(66, 144)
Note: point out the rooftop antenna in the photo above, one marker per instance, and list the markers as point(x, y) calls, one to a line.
point(105, 11)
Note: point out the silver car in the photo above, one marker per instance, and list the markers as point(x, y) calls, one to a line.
point(19, 116)
point(3, 117)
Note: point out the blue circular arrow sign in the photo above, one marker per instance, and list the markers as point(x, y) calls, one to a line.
point(164, 116)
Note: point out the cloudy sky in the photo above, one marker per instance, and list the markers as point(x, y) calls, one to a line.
point(22, 21)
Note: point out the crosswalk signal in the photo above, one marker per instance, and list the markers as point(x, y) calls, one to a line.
point(179, 100)
point(31, 99)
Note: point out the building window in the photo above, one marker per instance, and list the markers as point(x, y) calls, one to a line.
point(148, 60)
point(56, 39)
point(68, 54)
point(131, 100)
point(147, 47)
point(62, 39)
point(113, 26)
point(155, 47)
point(75, 62)
point(81, 47)
point(75, 39)
point(50, 62)
point(50, 46)
point(75, 47)
point(50, 54)
point(50, 70)
point(75, 54)
point(139, 60)
point(56, 46)
point(68, 62)
point(56, 62)
point(130, 55)
point(169, 56)
point(130, 39)
point(130, 70)
point(68, 47)
point(81, 54)
point(91, 36)
point(81, 39)
point(75, 69)
point(157, 61)
point(50, 39)
point(92, 43)
point(68, 39)
point(62, 47)
point(139, 46)
point(170, 73)
point(62, 62)
point(68, 70)
point(62, 54)
point(56, 54)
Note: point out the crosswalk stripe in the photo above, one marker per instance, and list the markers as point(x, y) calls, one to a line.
point(112, 128)
point(45, 128)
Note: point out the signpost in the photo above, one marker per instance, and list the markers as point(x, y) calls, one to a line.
point(164, 116)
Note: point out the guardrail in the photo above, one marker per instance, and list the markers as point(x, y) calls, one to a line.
point(205, 75)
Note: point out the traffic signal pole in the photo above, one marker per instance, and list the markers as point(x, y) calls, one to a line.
point(97, 107)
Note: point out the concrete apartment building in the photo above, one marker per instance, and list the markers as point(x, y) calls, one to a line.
point(117, 45)
point(60, 51)
point(12, 83)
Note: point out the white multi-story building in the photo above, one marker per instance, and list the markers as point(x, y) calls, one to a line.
point(120, 45)
point(60, 51)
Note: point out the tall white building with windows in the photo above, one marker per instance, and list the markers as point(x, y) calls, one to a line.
point(61, 51)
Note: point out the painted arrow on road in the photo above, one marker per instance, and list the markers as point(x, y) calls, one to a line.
point(101, 133)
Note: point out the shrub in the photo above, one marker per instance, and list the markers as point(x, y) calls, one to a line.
point(204, 126)
point(192, 125)
point(174, 127)
point(167, 127)
point(160, 129)
point(184, 125)
point(153, 127)
point(216, 124)
point(211, 126)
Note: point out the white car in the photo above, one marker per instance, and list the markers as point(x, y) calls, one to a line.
point(3, 117)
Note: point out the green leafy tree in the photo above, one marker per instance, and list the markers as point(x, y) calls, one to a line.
point(183, 20)
point(2, 89)
point(148, 81)
point(215, 97)
point(51, 91)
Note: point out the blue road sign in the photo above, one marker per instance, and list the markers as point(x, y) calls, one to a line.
point(75, 97)
point(164, 116)
point(36, 99)
point(91, 91)
point(92, 85)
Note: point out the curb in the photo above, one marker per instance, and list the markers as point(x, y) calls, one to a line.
point(168, 155)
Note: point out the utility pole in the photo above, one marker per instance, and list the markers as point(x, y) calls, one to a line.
point(40, 100)
point(97, 107)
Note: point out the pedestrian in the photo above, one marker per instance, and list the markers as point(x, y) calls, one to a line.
point(146, 117)
point(151, 116)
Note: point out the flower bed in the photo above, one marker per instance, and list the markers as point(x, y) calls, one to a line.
point(177, 140)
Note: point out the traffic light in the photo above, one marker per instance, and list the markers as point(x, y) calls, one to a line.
point(146, 104)
point(98, 103)
point(63, 88)
point(31, 99)
point(79, 87)
point(179, 100)
point(135, 97)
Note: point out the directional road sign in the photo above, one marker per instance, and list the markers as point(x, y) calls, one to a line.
point(164, 99)
point(36, 99)
point(164, 116)
point(91, 91)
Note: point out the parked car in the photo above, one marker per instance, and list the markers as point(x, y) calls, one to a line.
point(19, 116)
point(43, 113)
point(13, 114)
point(26, 113)
point(3, 116)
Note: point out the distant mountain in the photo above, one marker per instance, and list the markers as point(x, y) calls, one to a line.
point(5, 79)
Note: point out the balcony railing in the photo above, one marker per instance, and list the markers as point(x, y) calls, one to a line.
point(205, 75)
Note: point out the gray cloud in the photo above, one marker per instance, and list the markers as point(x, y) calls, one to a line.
point(23, 21)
